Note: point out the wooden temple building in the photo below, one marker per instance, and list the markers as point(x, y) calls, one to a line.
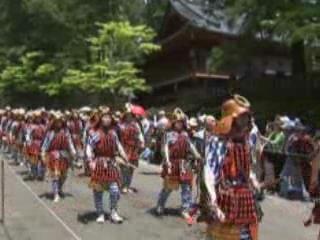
point(190, 30)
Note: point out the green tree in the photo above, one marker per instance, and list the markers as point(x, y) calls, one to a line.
point(59, 30)
point(116, 54)
point(26, 77)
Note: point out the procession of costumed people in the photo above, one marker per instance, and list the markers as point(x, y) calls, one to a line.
point(228, 162)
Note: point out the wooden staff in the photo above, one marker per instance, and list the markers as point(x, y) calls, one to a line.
point(121, 161)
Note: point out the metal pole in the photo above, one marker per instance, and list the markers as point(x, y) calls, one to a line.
point(2, 191)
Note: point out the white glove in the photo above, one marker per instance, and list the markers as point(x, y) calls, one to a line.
point(92, 165)
point(169, 167)
point(219, 213)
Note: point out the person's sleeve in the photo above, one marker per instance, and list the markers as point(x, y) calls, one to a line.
point(166, 147)
point(28, 135)
point(140, 135)
point(215, 154)
point(46, 143)
point(93, 139)
point(193, 149)
point(72, 148)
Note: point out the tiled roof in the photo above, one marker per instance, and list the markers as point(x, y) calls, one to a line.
point(206, 14)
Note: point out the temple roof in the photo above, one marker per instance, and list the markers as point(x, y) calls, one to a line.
point(206, 14)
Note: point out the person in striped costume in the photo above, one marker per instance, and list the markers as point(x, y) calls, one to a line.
point(310, 174)
point(132, 140)
point(177, 169)
point(57, 151)
point(5, 123)
point(228, 176)
point(16, 135)
point(2, 120)
point(75, 125)
point(35, 133)
point(90, 127)
point(101, 150)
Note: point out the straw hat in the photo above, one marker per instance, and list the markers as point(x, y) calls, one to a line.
point(231, 110)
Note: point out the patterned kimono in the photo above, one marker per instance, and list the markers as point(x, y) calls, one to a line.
point(228, 172)
point(177, 146)
point(16, 138)
point(34, 138)
point(293, 184)
point(101, 150)
point(105, 174)
point(13, 130)
point(57, 146)
point(5, 132)
point(131, 139)
point(3, 122)
point(7, 129)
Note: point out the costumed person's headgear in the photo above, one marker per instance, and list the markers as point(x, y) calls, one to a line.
point(36, 113)
point(58, 116)
point(19, 113)
point(117, 116)
point(161, 113)
point(106, 113)
point(75, 114)
point(128, 110)
point(85, 110)
point(104, 109)
point(231, 110)
point(67, 114)
point(178, 116)
point(29, 116)
point(193, 122)
point(54, 117)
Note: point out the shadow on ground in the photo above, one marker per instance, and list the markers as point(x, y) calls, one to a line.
point(49, 195)
point(22, 172)
point(149, 173)
point(91, 216)
point(88, 217)
point(173, 212)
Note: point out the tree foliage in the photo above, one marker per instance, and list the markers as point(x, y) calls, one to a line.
point(47, 46)
point(116, 52)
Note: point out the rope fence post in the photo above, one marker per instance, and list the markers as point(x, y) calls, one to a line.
point(2, 192)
